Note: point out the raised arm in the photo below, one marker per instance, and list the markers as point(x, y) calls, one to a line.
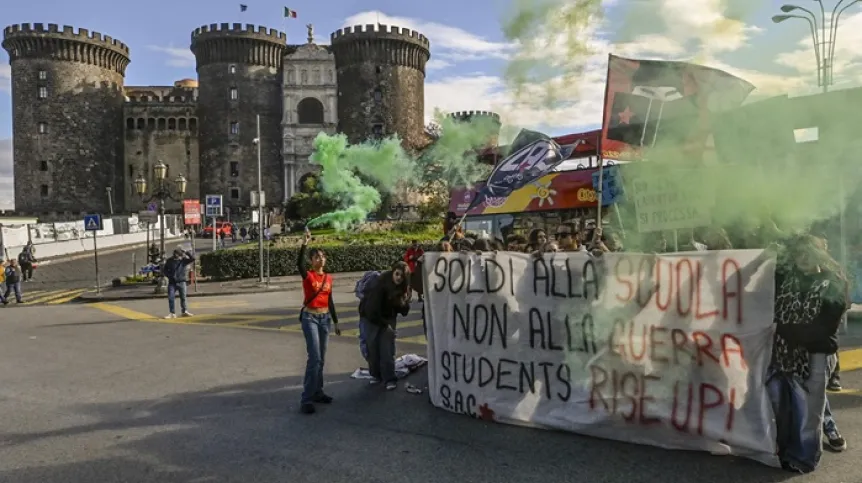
point(301, 263)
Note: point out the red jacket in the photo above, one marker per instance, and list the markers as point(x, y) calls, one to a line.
point(412, 256)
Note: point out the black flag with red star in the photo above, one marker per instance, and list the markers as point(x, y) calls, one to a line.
point(653, 102)
point(629, 122)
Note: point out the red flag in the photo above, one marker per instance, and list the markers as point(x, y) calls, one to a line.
point(651, 102)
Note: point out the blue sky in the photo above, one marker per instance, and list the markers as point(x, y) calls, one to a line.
point(469, 52)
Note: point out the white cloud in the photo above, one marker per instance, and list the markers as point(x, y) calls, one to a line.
point(447, 43)
point(6, 78)
point(437, 64)
point(176, 57)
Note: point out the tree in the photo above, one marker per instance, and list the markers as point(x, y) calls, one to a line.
point(310, 202)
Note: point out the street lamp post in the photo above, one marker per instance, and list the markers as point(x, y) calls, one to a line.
point(824, 55)
point(161, 192)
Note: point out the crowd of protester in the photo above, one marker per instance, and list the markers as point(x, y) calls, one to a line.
point(811, 297)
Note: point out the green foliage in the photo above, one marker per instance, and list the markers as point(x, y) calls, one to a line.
point(310, 202)
point(229, 264)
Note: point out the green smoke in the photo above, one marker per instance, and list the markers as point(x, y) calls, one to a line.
point(751, 172)
point(346, 172)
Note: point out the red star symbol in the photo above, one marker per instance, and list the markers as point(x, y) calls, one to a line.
point(626, 116)
point(486, 413)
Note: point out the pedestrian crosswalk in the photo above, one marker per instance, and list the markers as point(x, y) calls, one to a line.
point(47, 297)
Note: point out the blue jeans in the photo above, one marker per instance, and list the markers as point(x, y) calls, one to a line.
point(363, 337)
point(14, 286)
point(802, 413)
point(173, 289)
point(315, 328)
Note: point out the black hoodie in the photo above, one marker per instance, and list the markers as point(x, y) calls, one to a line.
point(383, 302)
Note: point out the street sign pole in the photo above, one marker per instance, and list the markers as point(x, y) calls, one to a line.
point(93, 223)
point(214, 234)
point(96, 259)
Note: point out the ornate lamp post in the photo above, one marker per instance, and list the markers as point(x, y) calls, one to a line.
point(161, 192)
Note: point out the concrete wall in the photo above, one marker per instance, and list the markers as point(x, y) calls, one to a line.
point(70, 247)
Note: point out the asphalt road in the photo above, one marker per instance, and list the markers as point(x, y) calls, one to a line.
point(88, 394)
point(61, 281)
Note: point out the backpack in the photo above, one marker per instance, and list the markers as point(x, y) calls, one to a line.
point(364, 283)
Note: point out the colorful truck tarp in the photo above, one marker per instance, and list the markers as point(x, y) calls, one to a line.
point(556, 191)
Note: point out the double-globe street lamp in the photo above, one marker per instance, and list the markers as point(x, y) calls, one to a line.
point(161, 192)
point(824, 56)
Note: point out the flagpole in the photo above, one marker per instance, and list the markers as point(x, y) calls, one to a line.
point(599, 153)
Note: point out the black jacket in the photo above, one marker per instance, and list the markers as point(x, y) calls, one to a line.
point(821, 335)
point(175, 268)
point(378, 307)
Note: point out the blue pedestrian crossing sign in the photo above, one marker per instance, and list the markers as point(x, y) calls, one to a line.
point(93, 222)
point(213, 205)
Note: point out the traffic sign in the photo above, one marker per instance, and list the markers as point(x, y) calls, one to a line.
point(148, 216)
point(214, 205)
point(152, 206)
point(93, 222)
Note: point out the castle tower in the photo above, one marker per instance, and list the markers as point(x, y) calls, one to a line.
point(239, 73)
point(381, 82)
point(492, 118)
point(67, 117)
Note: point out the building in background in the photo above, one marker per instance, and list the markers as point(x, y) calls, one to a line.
point(79, 130)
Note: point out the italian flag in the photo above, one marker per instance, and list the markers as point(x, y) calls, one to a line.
point(288, 13)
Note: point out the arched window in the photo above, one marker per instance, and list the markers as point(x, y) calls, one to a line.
point(142, 123)
point(193, 124)
point(182, 124)
point(161, 124)
point(309, 111)
point(151, 123)
point(172, 124)
point(130, 123)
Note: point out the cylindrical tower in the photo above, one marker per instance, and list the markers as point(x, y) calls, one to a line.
point(67, 117)
point(492, 118)
point(239, 76)
point(381, 82)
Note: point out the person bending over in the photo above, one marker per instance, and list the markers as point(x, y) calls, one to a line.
point(388, 297)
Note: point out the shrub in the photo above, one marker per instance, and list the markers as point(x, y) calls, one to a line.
point(228, 264)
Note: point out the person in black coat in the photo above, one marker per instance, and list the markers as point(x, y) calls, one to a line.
point(387, 297)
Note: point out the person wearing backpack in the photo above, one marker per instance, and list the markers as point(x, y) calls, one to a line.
point(26, 259)
point(13, 282)
point(362, 287)
point(316, 317)
point(384, 300)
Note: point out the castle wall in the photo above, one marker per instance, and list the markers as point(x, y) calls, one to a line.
point(164, 127)
point(67, 105)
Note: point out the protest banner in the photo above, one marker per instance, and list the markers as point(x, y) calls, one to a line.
point(675, 200)
point(669, 351)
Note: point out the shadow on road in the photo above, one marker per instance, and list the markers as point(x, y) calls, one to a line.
point(253, 432)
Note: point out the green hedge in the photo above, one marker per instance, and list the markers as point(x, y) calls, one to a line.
point(230, 264)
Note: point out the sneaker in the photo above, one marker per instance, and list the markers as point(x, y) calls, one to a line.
point(373, 381)
point(834, 385)
point(187, 314)
point(171, 316)
point(307, 408)
point(391, 386)
point(835, 441)
point(323, 399)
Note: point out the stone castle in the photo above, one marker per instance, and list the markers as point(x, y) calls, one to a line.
point(81, 136)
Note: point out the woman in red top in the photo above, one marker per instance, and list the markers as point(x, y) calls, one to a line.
point(316, 317)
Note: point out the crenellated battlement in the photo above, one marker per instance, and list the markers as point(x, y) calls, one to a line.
point(349, 34)
point(381, 45)
point(238, 44)
point(28, 41)
point(466, 115)
point(68, 32)
point(219, 30)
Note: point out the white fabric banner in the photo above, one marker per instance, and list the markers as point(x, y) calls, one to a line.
point(595, 346)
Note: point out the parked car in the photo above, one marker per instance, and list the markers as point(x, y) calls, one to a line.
point(221, 227)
